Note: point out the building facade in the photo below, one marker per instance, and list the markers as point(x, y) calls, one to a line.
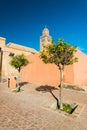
point(6, 70)
point(37, 71)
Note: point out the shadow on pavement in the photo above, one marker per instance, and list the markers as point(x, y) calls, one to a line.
point(22, 84)
point(50, 89)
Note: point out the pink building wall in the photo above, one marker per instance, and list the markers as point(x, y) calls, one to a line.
point(39, 72)
point(80, 69)
point(69, 74)
point(48, 74)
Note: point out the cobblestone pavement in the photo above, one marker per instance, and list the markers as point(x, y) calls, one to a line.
point(28, 110)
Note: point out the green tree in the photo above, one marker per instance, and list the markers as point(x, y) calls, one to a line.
point(60, 54)
point(18, 61)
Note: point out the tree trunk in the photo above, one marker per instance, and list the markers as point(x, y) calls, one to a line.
point(18, 81)
point(61, 86)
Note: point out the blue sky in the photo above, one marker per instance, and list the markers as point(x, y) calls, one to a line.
point(22, 21)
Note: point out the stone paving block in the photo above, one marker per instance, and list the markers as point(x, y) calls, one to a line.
point(25, 111)
point(8, 124)
point(79, 127)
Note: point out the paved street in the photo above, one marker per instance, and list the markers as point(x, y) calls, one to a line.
point(29, 109)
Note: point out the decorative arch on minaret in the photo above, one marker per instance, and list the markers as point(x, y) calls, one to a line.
point(45, 39)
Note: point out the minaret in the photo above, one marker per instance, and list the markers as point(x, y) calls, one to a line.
point(45, 39)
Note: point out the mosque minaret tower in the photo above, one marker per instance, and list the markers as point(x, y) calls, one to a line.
point(45, 39)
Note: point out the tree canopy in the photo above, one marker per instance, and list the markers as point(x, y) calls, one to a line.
point(18, 61)
point(61, 53)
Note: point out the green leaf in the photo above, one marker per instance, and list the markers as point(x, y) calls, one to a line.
point(60, 53)
point(18, 61)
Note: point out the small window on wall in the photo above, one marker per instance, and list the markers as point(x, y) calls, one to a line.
point(11, 54)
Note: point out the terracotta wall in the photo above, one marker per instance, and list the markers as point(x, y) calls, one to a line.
point(39, 72)
point(80, 69)
point(69, 74)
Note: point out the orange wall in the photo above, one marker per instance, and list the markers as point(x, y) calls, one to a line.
point(80, 69)
point(39, 72)
point(69, 74)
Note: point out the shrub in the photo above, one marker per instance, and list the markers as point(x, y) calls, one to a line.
point(69, 108)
